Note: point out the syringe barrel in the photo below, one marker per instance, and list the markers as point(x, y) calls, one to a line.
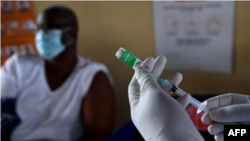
point(179, 91)
point(193, 101)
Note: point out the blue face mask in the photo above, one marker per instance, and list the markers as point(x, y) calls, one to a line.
point(49, 44)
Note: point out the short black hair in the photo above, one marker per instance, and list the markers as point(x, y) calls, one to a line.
point(64, 11)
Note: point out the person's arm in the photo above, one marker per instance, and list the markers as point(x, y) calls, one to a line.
point(8, 77)
point(98, 109)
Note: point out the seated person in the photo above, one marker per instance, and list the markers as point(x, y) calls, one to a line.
point(59, 94)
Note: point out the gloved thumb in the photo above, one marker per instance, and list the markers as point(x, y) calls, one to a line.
point(145, 79)
point(184, 100)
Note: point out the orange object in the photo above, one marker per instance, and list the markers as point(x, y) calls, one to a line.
point(16, 16)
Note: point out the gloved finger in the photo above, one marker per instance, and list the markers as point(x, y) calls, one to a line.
point(212, 103)
point(240, 99)
point(206, 119)
point(145, 79)
point(215, 128)
point(184, 100)
point(175, 80)
point(232, 113)
point(134, 87)
point(159, 65)
point(149, 63)
point(133, 92)
point(226, 100)
point(219, 137)
point(223, 101)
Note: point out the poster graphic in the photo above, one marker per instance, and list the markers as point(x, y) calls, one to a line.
point(12, 28)
point(6, 7)
point(23, 6)
point(27, 26)
point(195, 35)
point(16, 32)
point(10, 50)
point(27, 48)
point(214, 22)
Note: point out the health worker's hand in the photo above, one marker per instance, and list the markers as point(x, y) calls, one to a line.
point(226, 109)
point(157, 115)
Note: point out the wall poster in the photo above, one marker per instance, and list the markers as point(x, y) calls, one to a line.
point(195, 35)
point(16, 36)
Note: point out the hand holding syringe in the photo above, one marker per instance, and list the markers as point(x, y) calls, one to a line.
point(133, 62)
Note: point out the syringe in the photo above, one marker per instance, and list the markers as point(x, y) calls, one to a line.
point(133, 62)
point(179, 92)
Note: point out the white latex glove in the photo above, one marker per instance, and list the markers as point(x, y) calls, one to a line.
point(227, 109)
point(157, 115)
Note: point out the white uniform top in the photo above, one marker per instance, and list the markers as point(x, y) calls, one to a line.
point(46, 114)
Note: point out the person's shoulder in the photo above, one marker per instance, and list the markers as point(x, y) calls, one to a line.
point(18, 61)
point(92, 68)
point(21, 58)
point(18, 64)
point(27, 58)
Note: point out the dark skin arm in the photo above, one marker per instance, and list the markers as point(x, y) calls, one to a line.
point(98, 109)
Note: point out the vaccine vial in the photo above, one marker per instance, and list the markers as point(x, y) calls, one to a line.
point(128, 58)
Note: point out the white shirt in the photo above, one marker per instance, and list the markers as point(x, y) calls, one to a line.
point(46, 114)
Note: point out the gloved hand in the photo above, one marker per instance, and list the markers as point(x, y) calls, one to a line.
point(227, 109)
point(154, 112)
